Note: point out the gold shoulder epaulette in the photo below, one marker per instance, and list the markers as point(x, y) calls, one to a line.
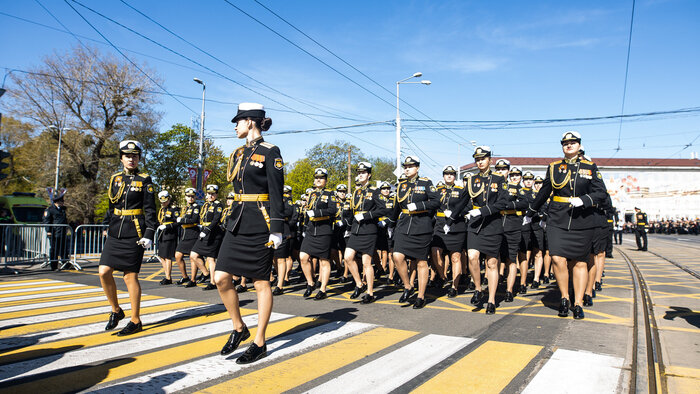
point(459, 187)
point(586, 161)
point(555, 162)
point(144, 174)
point(424, 178)
point(267, 144)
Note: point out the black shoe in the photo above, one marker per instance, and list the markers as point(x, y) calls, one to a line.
point(603, 274)
point(183, 281)
point(593, 293)
point(609, 256)
point(277, 291)
point(203, 279)
point(198, 278)
point(210, 286)
point(321, 295)
point(551, 276)
point(476, 298)
point(131, 328)
point(356, 293)
point(309, 291)
point(523, 289)
point(317, 284)
point(578, 312)
point(114, 318)
point(407, 293)
point(452, 292)
point(234, 340)
point(344, 279)
point(165, 281)
point(564, 308)
point(419, 303)
point(535, 284)
point(241, 289)
point(471, 286)
point(545, 280)
point(252, 354)
point(643, 250)
point(191, 284)
point(285, 283)
point(490, 309)
point(368, 299)
point(508, 297)
point(389, 281)
point(587, 301)
point(598, 286)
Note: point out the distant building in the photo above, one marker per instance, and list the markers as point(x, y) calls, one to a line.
point(663, 188)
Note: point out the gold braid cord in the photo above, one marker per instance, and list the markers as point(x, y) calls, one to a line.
point(203, 212)
point(359, 203)
point(310, 202)
point(161, 215)
point(471, 192)
point(564, 182)
point(236, 156)
point(400, 199)
point(116, 198)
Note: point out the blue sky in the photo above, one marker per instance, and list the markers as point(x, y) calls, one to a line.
point(508, 60)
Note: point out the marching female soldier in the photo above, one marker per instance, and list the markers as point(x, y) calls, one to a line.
point(548, 274)
point(576, 185)
point(320, 210)
point(167, 217)
point(532, 242)
point(254, 227)
point(283, 253)
point(367, 207)
point(340, 225)
point(189, 222)
point(132, 220)
point(487, 194)
point(512, 233)
point(453, 241)
point(415, 200)
point(382, 236)
point(210, 236)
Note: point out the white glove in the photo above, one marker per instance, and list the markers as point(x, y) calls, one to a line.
point(543, 224)
point(179, 220)
point(646, 230)
point(339, 223)
point(412, 207)
point(310, 213)
point(474, 213)
point(303, 235)
point(276, 239)
point(381, 224)
point(161, 227)
point(448, 213)
point(346, 234)
point(576, 202)
point(202, 234)
point(527, 220)
point(467, 217)
point(359, 217)
point(446, 228)
point(145, 242)
point(390, 232)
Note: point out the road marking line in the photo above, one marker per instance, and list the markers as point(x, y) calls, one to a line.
point(150, 277)
point(6, 301)
point(594, 373)
point(65, 300)
point(47, 283)
point(41, 290)
point(24, 282)
point(396, 368)
point(70, 305)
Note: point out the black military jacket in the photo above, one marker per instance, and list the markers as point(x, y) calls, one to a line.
point(487, 192)
point(322, 203)
point(641, 218)
point(210, 218)
point(290, 215)
point(168, 217)
point(530, 194)
point(449, 198)
point(367, 201)
point(421, 192)
point(55, 215)
point(128, 193)
point(257, 169)
point(344, 214)
point(516, 204)
point(601, 212)
point(571, 178)
point(190, 222)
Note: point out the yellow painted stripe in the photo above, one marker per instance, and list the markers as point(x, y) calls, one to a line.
point(487, 369)
point(102, 317)
point(23, 281)
point(37, 285)
point(46, 291)
point(150, 277)
point(84, 378)
point(291, 373)
point(67, 308)
point(682, 372)
point(46, 349)
point(54, 298)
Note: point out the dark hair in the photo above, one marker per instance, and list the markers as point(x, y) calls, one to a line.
point(262, 124)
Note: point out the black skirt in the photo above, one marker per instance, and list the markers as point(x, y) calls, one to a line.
point(363, 243)
point(122, 254)
point(284, 250)
point(382, 240)
point(510, 245)
point(489, 245)
point(451, 242)
point(416, 247)
point(318, 246)
point(537, 239)
point(209, 246)
point(572, 244)
point(185, 246)
point(600, 240)
point(166, 249)
point(245, 255)
point(525, 239)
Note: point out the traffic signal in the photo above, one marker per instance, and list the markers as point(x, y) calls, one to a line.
point(3, 155)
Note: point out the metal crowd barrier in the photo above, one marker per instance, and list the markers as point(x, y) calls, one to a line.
point(30, 244)
point(89, 240)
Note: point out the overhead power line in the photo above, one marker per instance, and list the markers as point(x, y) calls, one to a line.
point(624, 86)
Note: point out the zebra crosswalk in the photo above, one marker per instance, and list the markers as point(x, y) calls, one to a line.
point(53, 340)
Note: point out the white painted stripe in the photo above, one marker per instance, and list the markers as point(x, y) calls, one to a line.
point(56, 294)
point(121, 349)
point(38, 288)
point(396, 368)
point(50, 304)
point(569, 371)
point(185, 376)
point(43, 282)
point(96, 328)
point(79, 313)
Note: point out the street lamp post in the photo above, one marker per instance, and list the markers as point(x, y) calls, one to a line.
point(398, 118)
point(58, 155)
point(200, 166)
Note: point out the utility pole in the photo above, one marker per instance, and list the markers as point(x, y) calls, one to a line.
point(349, 169)
point(200, 167)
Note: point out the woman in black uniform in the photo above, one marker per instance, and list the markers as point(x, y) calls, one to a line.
point(283, 253)
point(576, 185)
point(415, 200)
point(512, 234)
point(487, 197)
point(167, 216)
point(254, 228)
point(339, 227)
point(533, 236)
point(188, 221)
point(210, 236)
point(382, 235)
point(132, 221)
